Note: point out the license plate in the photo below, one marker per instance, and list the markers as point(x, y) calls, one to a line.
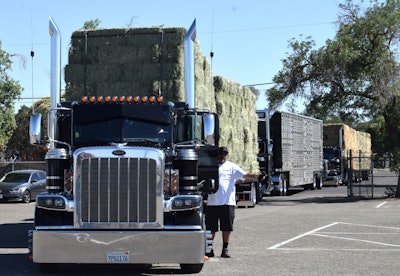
point(118, 257)
point(1, 196)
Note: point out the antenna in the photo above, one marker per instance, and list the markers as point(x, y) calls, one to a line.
point(33, 104)
point(32, 55)
point(212, 40)
point(212, 51)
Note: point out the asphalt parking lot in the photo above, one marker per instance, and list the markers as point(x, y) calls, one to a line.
point(320, 232)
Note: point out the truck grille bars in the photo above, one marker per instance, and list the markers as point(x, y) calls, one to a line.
point(118, 193)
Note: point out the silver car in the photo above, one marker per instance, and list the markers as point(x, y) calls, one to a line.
point(22, 185)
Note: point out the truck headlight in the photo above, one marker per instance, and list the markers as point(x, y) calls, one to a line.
point(186, 202)
point(51, 202)
point(183, 203)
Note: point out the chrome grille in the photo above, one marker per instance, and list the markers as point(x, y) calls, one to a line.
point(118, 191)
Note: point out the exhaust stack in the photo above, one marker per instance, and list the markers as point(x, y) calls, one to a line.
point(55, 68)
point(189, 65)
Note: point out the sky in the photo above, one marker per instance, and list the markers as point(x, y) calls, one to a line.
point(249, 38)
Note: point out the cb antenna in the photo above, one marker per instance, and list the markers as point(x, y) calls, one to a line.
point(32, 55)
point(212, 40)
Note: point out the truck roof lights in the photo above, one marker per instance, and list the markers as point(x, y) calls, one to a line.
point(122, 99)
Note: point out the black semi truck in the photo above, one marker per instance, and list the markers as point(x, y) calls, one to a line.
point(126, 176)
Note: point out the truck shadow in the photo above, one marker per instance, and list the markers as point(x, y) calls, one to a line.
point(315, 199)
point(15, 261)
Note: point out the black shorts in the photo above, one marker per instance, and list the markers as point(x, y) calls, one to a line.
point(224, 214)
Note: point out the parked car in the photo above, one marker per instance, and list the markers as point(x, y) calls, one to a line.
point(22, 185)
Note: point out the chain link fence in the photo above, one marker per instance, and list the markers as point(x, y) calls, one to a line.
point(376, 183)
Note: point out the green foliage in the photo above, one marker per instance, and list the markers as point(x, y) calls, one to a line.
point(10, 90)
point(354, 77)
point(91, 24)
point(19, 145)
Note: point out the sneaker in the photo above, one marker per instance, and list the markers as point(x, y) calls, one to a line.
point(225, 254)
point(211, 254)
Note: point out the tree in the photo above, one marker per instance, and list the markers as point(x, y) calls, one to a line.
point(91, 24)
point(353, 77)
point(10, 90)
point(19, 145)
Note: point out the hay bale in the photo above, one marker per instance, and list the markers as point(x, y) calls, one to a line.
point(145, 61)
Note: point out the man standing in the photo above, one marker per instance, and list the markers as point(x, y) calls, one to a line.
point(221, 205)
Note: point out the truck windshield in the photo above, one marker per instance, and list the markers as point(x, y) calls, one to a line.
point(120, 130)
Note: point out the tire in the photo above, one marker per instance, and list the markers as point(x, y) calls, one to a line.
point(191, 268)
point(260, 192)
point(313, 185)
point(320, 183)
point(26, 196)
point(253, 195)
point(283, 185)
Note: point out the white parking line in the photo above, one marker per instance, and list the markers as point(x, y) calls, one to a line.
point(8, 251)
point(381, 204)
point(300, 236)
point(357, 240)
point(329, 235)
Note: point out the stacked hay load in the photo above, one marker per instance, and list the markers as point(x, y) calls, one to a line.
point(150, 61)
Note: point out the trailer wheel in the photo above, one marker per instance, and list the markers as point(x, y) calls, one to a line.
point(282, 185)
point(253, 195)
point(320, 183)
point(260, 192)
point(313, 185)
point(191, 268)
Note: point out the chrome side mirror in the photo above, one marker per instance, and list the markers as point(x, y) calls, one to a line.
point(35, 126)
point(209, 128)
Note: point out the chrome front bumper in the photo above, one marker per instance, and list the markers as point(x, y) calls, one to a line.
point(132, 247)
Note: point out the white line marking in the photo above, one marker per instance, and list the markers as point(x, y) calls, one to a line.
point(368, 225)
point(358, 240)
point(358, 233)
point(339, 249)
point(7, 251)
point(380, 205)
point(302, 235)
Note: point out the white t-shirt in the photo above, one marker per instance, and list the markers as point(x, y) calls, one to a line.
point(226, 194)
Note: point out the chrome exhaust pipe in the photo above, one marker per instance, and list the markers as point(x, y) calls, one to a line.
point(55, 80)
point(189, 65)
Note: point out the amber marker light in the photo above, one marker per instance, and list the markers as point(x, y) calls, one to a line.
point(115, 99)
point(129, 99)
point(108, 99)
point(160, 99)
point(152, 99)
point(84, 99)
point(122, 99)
point(100, 99)
point(144, 99)
point(136, 99)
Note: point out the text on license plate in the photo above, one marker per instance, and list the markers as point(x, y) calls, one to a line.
point(118, 257)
